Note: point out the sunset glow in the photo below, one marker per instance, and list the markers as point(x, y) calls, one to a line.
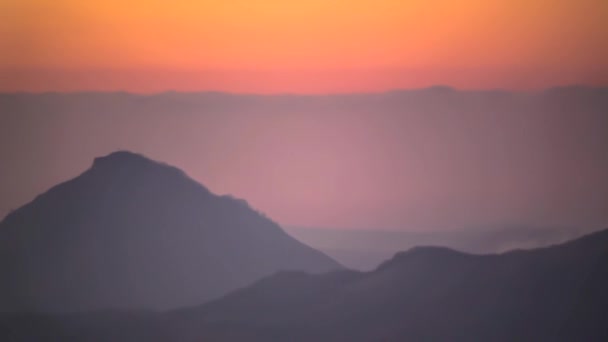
point(300, 46)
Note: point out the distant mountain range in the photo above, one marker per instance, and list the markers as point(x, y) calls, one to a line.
point(366, 249)
point(132, 233)
point(556, 293)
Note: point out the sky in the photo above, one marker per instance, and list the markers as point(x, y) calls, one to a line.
point(312, 46)
point(425, 159)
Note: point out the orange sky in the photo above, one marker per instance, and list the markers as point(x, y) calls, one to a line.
point(300, 46)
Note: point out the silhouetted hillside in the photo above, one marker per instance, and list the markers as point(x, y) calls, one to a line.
point(431, 293)
point(556, 293)
point(133, 233)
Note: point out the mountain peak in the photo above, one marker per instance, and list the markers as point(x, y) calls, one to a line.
point(122, 157)
point(133, 163)
point(130, 222)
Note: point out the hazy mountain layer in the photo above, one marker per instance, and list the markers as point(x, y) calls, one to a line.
point(364, 250)
point(427, 159)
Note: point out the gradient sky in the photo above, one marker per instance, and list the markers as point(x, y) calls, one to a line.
point(312, 46)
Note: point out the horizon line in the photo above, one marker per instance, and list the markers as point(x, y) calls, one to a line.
point(309, 94)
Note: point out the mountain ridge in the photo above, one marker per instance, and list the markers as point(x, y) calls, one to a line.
point(553, 293)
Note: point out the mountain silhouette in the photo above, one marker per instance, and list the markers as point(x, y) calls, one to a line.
point(428, 294)
point(557, 293)
point(132, 233)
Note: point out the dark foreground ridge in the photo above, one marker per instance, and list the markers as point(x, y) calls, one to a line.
point(556, 293)
point(133, 233)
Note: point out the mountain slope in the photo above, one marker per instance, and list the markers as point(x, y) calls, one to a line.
point(133, 233)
